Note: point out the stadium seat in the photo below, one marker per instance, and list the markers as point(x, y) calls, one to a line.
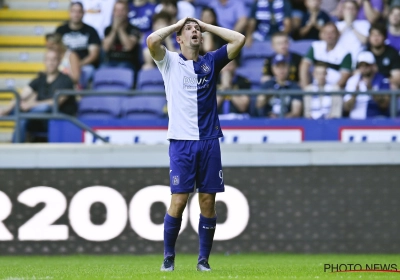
point(301, 47)
point(150, 79)
point(113, 79)
point(258, 51)
point(144, 107)
point(100, 107)
point(252, 73)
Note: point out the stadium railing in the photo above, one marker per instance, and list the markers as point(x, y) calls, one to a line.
point(56, 115)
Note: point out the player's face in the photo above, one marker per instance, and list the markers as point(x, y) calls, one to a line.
point(51, 61)
point(191, 35)
point(76, 14)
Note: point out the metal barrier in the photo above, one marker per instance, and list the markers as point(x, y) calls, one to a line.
point(281, 93)
point(60, 116)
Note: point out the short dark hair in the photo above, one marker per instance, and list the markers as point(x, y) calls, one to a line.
point(380, 27)
point(188, 20)
point(353, 2)
point(76, 3)
point(320, 64)
point(392, 8)
point(279, 34)
point(162, 15)
point(211, 10)
point(170, 2)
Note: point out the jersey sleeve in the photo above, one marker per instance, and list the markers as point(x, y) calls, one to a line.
point(94, 38)
point(346, 63)
point(310, 54)
point(35, 83)
point(164, 64)
point(220, 57)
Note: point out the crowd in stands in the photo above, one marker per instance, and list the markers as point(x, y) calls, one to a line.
point(317, 46)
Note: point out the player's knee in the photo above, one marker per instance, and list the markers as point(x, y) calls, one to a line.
point(207, 207)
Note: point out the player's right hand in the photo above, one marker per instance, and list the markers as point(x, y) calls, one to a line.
point(180, 24)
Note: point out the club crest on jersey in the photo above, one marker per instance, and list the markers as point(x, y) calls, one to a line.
point(175, 180)
point(205, 68)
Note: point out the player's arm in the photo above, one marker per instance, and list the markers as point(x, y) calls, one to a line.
point(235, 39)
point(155, 39)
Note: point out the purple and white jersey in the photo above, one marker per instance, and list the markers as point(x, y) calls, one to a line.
point(191, 88)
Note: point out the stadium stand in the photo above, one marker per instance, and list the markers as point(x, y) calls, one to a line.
point(22, 28)
point(105, 107)
point(113, 79)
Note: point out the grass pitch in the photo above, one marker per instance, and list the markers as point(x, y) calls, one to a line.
point(246, 266)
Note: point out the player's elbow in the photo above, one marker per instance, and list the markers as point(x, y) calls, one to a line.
point(151, 41)
point(241, 39)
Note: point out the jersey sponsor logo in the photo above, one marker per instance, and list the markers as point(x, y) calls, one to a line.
point(192, 83)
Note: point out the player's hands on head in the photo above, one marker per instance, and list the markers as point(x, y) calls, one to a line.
point(201, 24)
point(180, 24)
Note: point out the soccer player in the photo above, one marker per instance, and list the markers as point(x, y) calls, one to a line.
point(193, 130)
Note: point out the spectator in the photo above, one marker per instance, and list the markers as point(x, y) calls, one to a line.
point(320, 105)
point(393, 34)
point(37, 97)
point(361, 106)
point(237, 104)
point(69, 64)
point(268, 17)
point(298, 11)
point(328, 51)
point(159, 20)
point(140, 14)
point(97, 13)
point(183, 8)
point(370, 10)
point(280, 44)
point(210, 42)
point(354, 32)
point(122, 41)
point(83, 39)
point(270, 105)
point(231, 14)
point(313, 20)
point(386, 57)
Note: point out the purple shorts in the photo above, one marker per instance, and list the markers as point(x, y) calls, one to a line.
point(195, 164)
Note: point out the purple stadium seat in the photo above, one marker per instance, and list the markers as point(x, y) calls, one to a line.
point(150, 79)
point(113, 78)
point(252, 73)
point(258, 51)
point(144, 107)
point(301, 47)
point(100, 107)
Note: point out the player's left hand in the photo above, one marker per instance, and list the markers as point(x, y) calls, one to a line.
point(201, 24)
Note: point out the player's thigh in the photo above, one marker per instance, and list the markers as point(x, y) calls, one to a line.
point(209, 172)
point(182, 159)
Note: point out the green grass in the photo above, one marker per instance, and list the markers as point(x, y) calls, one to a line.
point(246, 266)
